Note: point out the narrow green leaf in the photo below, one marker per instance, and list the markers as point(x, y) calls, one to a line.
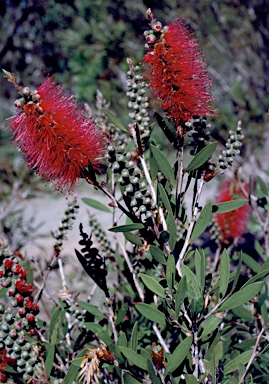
point(170, 272)
point(96, 204)
point(54, 318)
point(181, 293)
point(49, 359)
point(127, 227)
point(153, 167)
point(122, 340)
point(251, 263)
point(190, 379)
point(258, 277)
point(134, 358)
point(224, 272)
point(128, 379)
point(179, 354)
point(134, 337)
point(151, 313)
point(238, 272)
point(191, 278)
point(201, 157)
point(163, 164)
point(90, 308)
point(157, 254)
point(199, 260)
point(121, 314)
point(228, 206)
point(114, 120)
point(218, 351)
point(233, 365)
point(71, 374)
point(164, 198)
point(93, 327)
point(210, 325)
point(202, 222)
point(260, 250)
point(3, 292)
point(77, 361)
point(132, 238)
point(172, 228)
point(241, 297)
point(53, 339)
point(152, 285)
point(154, 379)
point(262, 186)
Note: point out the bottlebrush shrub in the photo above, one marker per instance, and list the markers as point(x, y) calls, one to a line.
point(163, 312)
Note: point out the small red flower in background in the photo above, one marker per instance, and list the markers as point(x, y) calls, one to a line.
point(175, 69)
point(56, 136)
point(232, 224)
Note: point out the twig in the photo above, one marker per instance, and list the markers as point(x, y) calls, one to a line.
point(192, 223)
point(254, 354)
point(195, 354)
point(67, 315)
point(131, 269)
point(160, 338)
point(111, 320)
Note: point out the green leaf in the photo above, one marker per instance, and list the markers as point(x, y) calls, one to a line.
point(151, 313)
point(202, 222)
point(127, 227)
point(191, 278)
point(121, 314)
point(251, 263)
point(163, 164)
point(153, 168)
point(77, 361)
point(54, 318)
point(210, 325)
point(201, 157)
point(128, 379)
point(233, 365)
point(90, 308)
point(152, 285)
point(154, 379)
point(259, 276)
point(181, 294)
point(238, 272)
point(172, 228)
point(132, 238)
point(224, 272)
point(71, 374)
point(3, 292)
point(170, 272)
point(122, 340)
point(241, 297)
point(179, 354)
point(199, 260)
point(228, 206)
point(157, 254)
point(262, 185)
point(190, 379)
point(134, 357)
point(114, 120)
point(96, 204)
point(164, 198)
point(134, 337)
point(49, 359)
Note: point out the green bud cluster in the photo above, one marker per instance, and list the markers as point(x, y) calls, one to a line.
point(101, 237)
point(199, 131)
point(233, 145)
point(138, 102)
point(66, 223)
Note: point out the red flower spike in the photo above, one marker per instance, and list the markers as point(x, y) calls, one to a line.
point(175, 70)
point(28, 304)
point(30, 318)
point(56, 136)
point(23, 273)
point(232, 224)
point(23, 287)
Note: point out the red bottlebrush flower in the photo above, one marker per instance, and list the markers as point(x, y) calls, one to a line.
point(56, 136)
point(232, 224)
point(175, 69)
